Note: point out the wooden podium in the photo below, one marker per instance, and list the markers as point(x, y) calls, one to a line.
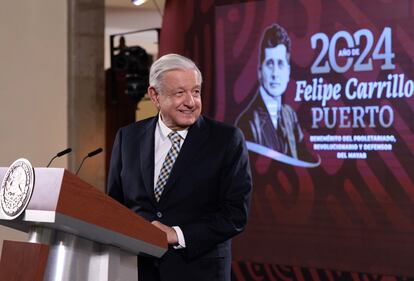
point(76, 232)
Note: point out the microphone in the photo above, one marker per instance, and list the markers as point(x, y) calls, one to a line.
point(90, 154)
point(59, 154)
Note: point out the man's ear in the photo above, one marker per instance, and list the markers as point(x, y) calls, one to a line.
point(288, 63)
point(153, 96)
point(288, 71)
point(259, 74)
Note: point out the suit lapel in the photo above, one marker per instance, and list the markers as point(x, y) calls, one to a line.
point(147, 143)
point(196, 136)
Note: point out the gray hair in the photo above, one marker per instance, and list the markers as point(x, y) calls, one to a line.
point(167, 63)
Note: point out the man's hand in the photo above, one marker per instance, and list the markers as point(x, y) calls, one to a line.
point(172, 237)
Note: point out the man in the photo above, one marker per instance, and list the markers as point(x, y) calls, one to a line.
point(203, 201)
point(266, 120)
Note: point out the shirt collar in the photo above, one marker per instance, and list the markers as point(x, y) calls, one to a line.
point(164, 130)
point(271, 104)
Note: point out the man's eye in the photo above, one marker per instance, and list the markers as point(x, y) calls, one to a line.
point(179, 94)
point(196, 93)
point(269, 63)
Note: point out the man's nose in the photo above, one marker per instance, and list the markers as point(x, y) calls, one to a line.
point(275, 72)
point(189, 99)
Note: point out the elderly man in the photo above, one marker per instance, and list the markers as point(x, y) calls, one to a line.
point(187, 174)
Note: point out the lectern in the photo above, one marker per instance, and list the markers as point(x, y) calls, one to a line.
point(76, 233)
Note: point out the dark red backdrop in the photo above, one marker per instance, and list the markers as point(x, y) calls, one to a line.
point(305, 224)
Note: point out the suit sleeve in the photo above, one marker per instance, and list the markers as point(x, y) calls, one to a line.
point(232, 210)
point(114, 186)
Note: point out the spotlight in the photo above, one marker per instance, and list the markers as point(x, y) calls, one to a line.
point(138, 2)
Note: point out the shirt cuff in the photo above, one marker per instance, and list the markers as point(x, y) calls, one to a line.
point(180, 235)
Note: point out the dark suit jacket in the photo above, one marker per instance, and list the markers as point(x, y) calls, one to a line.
point(256, 124)
point(207, 195)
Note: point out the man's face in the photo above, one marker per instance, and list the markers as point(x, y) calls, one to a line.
point(275, 70)
point(179, 100)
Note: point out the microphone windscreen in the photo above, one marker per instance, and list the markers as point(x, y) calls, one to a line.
point(93, 153)
point(66, 151)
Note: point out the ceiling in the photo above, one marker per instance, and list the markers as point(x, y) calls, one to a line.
point(149, 5)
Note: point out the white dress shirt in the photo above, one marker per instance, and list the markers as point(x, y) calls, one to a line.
point(272, 106)
point(162, 146)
